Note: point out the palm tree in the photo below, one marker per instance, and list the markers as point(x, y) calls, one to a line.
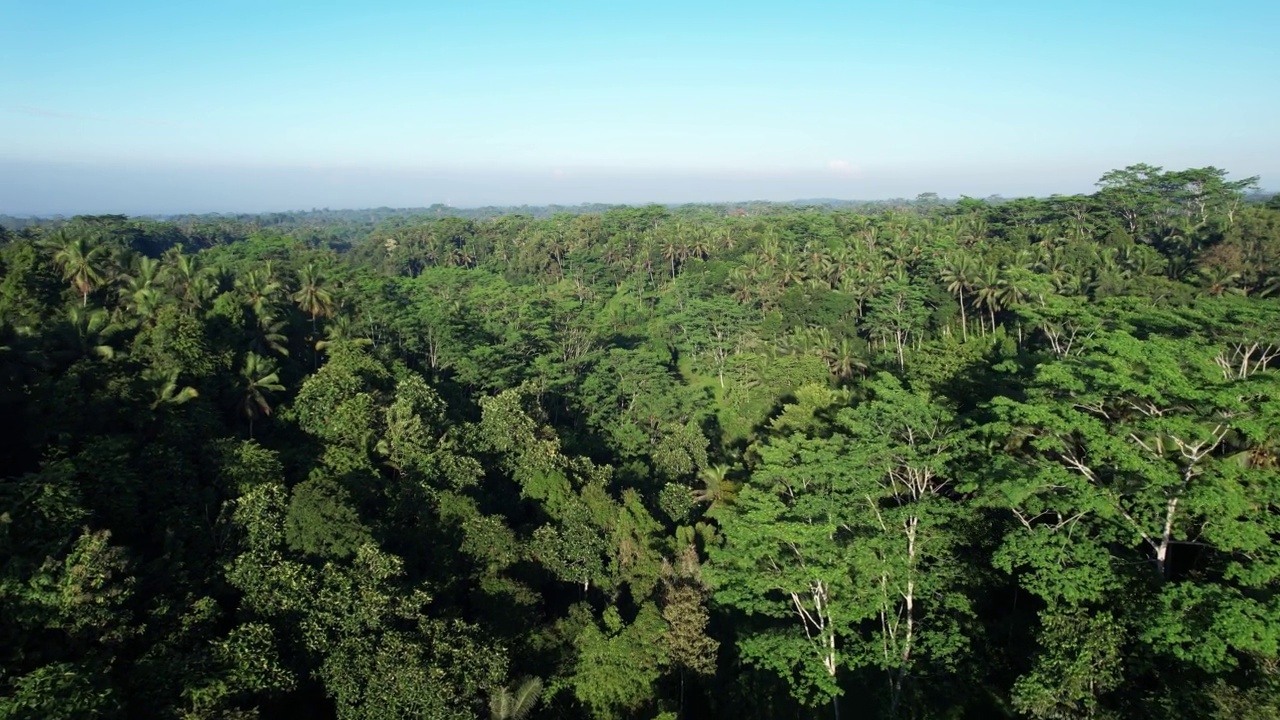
point(341, 330)
point(312, 295)
point(743, 284)
point(181, 271)
point(268, 334)
point(1217, 280)
point(202, 291)
point(841, 260)
point(770, 248)
point(88, 333)
point(1272, 287)
point(844, 360)
point(958, 272)
point(555, 247)
point(990, 290)
point(1017, 285)
point(140, 293)
point(968, 230)
point(166, 390)
point(515, 704)
point(143, 304)
point(259, 289)
point(189, 282)
point(145, 275)
point(717, 489)
point(80, 259)
point(258, 378)
point(700, 246)
point(725, 239)
point(672, 251)
point(789, 271)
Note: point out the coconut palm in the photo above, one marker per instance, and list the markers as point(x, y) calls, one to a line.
point(165, 390)
point(143, 304)
point(268, 334)
point(515, 703)
point(790, 271)
point(673, 251)
point(958, 272)
point(725, 238)
point(180, 271)
point(841, 259)
point(81, 260)
point(700, 244)
point(989, 291)
point(258, 378)
point(743, 285)
point(1217, 280)
point(1272, 287)
point(144, 275)
point(258, 289)
point(844, 359)
point(341, 330)
point(88, 332)
point(1017, 285)
point(717, 489)
point(312, 296)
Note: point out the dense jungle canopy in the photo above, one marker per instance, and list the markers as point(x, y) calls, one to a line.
point(928, 459)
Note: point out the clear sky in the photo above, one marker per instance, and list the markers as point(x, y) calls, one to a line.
point(138, 107)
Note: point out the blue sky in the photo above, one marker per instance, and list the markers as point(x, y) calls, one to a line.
point(139, 107)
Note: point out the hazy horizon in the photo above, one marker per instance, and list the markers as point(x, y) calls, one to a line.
point(147, 108)
point(38, 189)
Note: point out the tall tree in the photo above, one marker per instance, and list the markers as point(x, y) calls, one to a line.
point(958, 272)
point(258, 379)
point(81, 259)
point(313, 296)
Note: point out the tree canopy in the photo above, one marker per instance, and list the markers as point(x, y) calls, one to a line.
point(918, 459)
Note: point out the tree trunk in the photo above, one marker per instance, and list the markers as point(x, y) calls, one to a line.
point(1162, 551)
point(909, 598)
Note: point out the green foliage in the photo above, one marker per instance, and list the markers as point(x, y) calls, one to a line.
point(517, 701)
point(60, 691)
point(1003, 458)
point(321, 521)
point(619, 664)
point(1079, 663)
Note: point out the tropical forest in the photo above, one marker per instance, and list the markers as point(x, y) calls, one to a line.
point(931, 458)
